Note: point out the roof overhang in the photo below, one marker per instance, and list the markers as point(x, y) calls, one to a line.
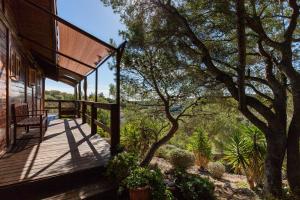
point(65, 52)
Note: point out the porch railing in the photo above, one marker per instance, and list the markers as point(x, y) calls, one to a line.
point(78, 108)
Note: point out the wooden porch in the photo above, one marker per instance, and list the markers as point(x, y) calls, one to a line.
point(68, 149)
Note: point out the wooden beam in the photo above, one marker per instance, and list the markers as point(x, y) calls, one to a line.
point(71, 72)
point(40, 56)
point(70, 25)
point(55, 51)
point(101, 63)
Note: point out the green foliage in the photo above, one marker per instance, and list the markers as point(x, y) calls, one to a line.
point(200, 145)
point(58, 95)
point(245, 152)
point(193, 187)
point(236, 152)
point(138, 133)
point(142, 177)
point(216, 169)
point(181, 159)
point(139, 177)
point(165, 151)
point(121, 165)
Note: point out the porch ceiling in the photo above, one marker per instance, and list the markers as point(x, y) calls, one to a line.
point(64, 51)
point(80, 47)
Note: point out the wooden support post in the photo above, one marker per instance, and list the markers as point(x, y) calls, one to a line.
point(76, 104)
point(79, 90)
point(85, 99)
point(85, 88)
point(115, 129)
point(78, 108)
point(83, 112)
point(75, 92)
point(115, 111)
point(96, 85)
point(43, 93)
point(59, 109)
point(93, 118)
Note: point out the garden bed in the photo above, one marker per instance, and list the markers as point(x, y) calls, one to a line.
point(230, 186)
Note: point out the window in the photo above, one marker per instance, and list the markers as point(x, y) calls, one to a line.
point(15, 66)
point(31, 77)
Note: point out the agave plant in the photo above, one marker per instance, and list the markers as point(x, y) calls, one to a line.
point(245, 152)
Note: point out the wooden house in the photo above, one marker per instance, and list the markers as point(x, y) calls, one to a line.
point(36, 44)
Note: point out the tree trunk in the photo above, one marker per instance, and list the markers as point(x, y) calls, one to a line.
point(293, 154)
point(276, 147)
point(158, 144)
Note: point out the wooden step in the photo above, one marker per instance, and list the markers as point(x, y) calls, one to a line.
point(85, 184)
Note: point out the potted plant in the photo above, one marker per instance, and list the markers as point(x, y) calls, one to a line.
point(138, 183)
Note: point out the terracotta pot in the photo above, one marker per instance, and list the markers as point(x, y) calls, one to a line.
point(143, 193)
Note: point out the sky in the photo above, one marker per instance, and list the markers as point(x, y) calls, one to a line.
point(98, 20)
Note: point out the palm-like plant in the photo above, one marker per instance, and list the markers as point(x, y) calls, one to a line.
point(257, 152)
point(245, 152)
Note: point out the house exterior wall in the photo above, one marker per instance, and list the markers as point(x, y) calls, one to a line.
point(3, 73)
point(14, 89)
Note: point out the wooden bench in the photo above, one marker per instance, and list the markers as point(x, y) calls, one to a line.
point(23, 117)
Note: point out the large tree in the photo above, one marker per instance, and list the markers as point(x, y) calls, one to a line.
point(251, 47)
point(161, 82)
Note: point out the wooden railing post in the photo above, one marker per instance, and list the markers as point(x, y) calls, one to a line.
point(78, 107)
point(93, 118)
point(83, 112)
point(115, 129)
point(59, 109)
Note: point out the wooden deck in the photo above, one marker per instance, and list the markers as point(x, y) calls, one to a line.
point(67, 147)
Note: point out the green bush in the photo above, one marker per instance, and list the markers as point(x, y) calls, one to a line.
point(200, 145)
point(181, 159)
point(193, 187)
point(165, 151)
point(139, 177)
point(137, 136)
point(121, 165)
point(216, 169)
point(142, 177)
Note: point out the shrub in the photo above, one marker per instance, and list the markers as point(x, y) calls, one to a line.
point(165, 151)
point(121, 165)
point(216, 169)
point(200, 145)
point(181, 159)
point(141, 177)
point(137, 136)
point(192, 187)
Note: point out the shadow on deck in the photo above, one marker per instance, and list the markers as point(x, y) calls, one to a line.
point(69, 156)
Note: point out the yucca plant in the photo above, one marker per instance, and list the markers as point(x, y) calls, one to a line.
point(245, 152)
point(257, 152)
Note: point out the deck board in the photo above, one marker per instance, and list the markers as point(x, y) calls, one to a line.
point(67, 147)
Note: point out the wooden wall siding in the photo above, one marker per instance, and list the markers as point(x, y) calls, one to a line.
point(19, 90)
point(3, 66)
